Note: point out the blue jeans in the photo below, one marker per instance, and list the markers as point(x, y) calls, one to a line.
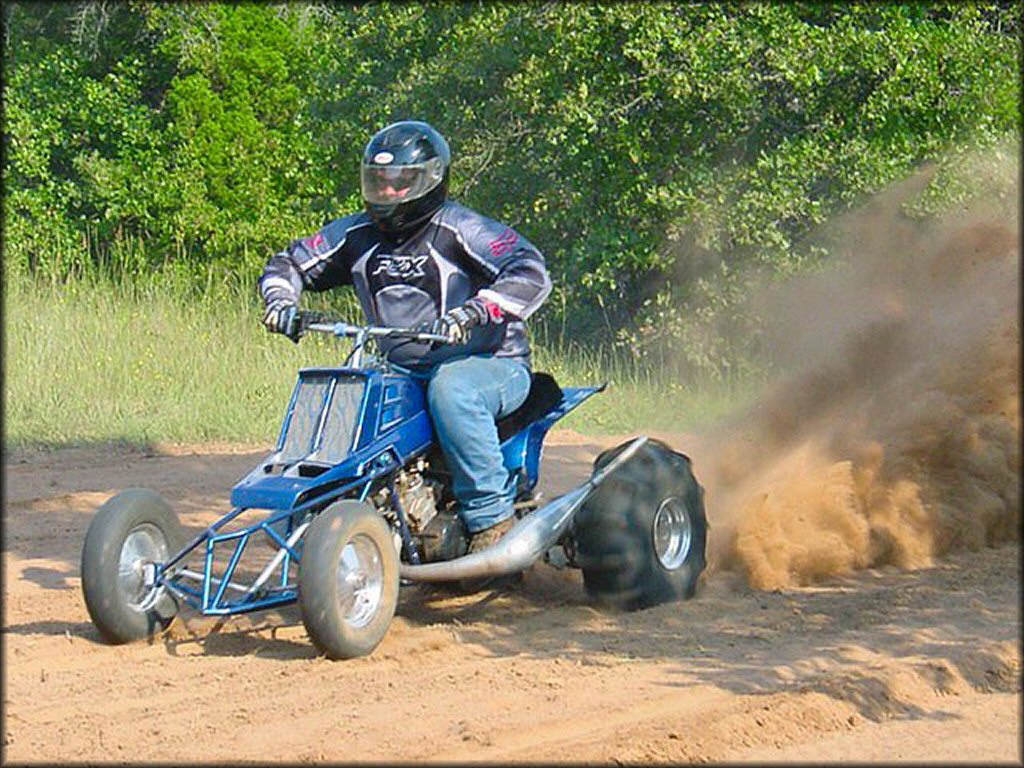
point(465, 396)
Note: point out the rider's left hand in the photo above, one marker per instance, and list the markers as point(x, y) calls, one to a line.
point(281, 316)
point(457, 323)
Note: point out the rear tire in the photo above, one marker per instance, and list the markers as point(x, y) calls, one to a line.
point(132, 529)
point(348, 580)
point(641, 535)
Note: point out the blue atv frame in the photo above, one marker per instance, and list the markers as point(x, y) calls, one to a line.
point(323, 454)
point(355, 452)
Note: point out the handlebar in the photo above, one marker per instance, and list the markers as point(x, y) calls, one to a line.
point(319, 324)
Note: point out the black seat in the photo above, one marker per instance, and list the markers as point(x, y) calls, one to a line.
point(545, 395)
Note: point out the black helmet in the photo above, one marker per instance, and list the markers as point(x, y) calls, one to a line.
point(404, 175)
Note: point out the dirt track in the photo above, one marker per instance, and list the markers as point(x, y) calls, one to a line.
point(918, 665)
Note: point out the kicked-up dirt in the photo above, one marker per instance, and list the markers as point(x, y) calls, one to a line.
point(882, 664)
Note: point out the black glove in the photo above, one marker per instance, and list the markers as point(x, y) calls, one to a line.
point(457, 323)
point(282, 316)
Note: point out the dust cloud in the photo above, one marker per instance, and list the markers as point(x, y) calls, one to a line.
point(894, 436)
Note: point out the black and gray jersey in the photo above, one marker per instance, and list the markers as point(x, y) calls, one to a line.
point(456, 255)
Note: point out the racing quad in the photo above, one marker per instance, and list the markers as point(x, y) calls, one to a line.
point(355, 501)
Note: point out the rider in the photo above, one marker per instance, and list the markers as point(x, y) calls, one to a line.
point(419, 260)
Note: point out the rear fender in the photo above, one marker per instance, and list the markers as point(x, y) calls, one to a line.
point(522, 451)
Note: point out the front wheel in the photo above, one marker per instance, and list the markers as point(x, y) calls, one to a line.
point(131, 532)
point(348, 580)
point(641, 535)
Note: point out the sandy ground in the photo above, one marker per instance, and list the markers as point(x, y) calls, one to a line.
point(887, 665)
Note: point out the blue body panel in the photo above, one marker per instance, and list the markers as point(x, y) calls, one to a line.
point(393, 426)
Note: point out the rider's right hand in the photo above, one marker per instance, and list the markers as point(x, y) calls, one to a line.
point(282, 316)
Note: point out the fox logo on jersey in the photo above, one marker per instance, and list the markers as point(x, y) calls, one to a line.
point(400, 267)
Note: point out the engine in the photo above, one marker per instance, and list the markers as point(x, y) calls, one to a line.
point(418, 497)
point(439, 533)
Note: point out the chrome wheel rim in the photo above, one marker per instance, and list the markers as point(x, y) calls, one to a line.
point(672, 533)
point(360, 581)
point(145, 544)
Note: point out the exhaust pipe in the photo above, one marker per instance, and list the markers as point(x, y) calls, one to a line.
point(525, 541)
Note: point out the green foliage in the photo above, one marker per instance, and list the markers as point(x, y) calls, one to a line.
point(194, 139)
point(236, 112)
point(657, 153)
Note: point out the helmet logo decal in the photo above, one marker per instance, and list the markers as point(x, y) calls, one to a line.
point(383, 158)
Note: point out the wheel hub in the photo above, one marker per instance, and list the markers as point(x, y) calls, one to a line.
point(144, 545)
point(672, 533)
point(360, 581)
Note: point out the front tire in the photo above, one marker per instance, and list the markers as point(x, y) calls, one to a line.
point(348, 580)
point(641, 536)
point(131, 531)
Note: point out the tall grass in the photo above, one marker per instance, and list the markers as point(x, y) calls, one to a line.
point(97, 360)
point(162, 357)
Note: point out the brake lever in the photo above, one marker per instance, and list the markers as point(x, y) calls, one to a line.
point(309, 317)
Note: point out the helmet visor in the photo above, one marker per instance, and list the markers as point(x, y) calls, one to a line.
point(389, 184)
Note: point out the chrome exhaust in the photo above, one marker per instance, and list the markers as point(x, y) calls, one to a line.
point(525, 541)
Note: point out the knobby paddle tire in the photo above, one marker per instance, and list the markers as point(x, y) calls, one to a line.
point(641, 536)
point(130, 532)
point(348, 580)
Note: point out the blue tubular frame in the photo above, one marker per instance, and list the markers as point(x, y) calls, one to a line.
point(282, 594)
point(391, 428)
